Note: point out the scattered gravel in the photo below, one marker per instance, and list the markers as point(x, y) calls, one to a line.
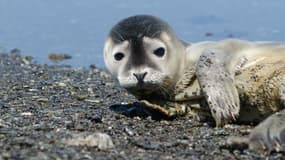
point(59, 112)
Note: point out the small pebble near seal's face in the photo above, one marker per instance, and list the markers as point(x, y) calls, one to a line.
point(140, 53)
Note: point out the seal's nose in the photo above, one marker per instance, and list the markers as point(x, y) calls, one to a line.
point(140, 76)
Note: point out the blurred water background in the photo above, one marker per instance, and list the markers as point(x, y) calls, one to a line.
point(79, 27)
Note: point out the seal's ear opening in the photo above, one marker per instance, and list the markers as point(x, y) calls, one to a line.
point(188, 46)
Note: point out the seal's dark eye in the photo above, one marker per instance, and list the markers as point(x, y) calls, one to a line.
point(159, 52)
point(119, 56)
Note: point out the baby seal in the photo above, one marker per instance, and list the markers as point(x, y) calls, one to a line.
point(233, 80)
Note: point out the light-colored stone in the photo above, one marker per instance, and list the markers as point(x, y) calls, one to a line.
point(100, 140)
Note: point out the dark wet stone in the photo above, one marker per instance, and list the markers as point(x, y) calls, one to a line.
point(130, 110)
point(96, 117)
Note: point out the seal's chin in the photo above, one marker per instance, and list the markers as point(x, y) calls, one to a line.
point(141, 89)
point(149, 91)
point(145, 90)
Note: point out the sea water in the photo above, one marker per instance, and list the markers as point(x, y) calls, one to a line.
point(79, 27)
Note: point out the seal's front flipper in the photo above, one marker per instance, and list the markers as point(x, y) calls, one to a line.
point(217, 86)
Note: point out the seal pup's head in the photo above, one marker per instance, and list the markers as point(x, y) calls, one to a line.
point(145, 55)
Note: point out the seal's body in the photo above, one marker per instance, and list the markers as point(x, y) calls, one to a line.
point(238, 80)
point(254, 69)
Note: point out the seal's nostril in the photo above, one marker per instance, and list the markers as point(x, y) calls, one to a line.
point(140, 76)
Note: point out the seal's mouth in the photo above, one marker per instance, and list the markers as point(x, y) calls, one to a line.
point(151, 89)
